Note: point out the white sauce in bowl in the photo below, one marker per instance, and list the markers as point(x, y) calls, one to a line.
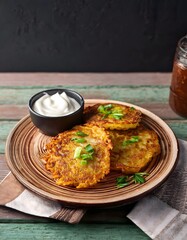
point(55, 105)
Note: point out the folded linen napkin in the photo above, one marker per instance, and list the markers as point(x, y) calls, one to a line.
point(163, 214)
point(14, 195)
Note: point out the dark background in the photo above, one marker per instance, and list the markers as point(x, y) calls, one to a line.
point(90, 35)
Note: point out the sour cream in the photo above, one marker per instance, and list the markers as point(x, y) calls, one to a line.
point(55, 105)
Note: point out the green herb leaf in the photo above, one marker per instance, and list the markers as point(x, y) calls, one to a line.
point(108, 106)
point(122, 181)
point(79, 140)
point(87, 156)
point(89, 148)
point(77, 153)
point(83, 162)
point(82, 134)
point(136, 178)
point(80, 153)
point(133, 139)
point(106, 110)
point(132, 108)
point(139, 177)
point(101, 109)
point(121, 185)
point(117, 116)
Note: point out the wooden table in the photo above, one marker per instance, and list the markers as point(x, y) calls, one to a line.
point(148, 90)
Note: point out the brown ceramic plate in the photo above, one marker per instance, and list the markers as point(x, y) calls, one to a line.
point(25, 143)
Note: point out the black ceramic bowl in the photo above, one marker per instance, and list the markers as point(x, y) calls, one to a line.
point(51, 126)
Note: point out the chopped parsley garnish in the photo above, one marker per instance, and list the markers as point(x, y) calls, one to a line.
point(133, 139)
point(109, 110)
point(126, 180)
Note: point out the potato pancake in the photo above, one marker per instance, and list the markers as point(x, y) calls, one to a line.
point(79, 157)
point(133, 149)
point(112, 116)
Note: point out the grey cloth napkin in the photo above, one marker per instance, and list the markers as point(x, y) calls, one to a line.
point(14, 195)
point(163, 214)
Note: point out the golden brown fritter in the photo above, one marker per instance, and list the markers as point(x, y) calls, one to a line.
point(133, 149)
point(112, 116)
point(79, 157)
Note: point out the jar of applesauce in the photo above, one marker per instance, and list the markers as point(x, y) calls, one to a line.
point(178, 88)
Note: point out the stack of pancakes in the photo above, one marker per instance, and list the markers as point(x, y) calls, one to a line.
point(113, 138)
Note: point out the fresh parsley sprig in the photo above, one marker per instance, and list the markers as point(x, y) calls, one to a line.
point(126, 180)
point(139, 177)
point(122, 181)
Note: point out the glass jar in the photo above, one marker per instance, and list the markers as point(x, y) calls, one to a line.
point(178, 88)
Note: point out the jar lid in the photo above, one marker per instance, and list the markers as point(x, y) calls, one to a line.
point(182, 44)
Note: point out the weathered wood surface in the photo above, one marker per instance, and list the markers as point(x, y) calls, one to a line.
point(76, 79)
point(150, 90)
point(82, 231)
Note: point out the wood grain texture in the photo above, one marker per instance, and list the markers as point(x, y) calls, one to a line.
point(16, 112)
point(61, 231)
point(132, 94)
point(4, 169)
point(117, 215)
point(89, 79)
point(13, 112)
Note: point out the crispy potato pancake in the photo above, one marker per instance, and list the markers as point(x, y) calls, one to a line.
point(133, 149)
point(79, 157)
point(112, 116)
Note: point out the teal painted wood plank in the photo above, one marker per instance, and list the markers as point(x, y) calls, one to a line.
point(64, 231)
point(131, 94)
point(179, 127)
point(5, 128)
